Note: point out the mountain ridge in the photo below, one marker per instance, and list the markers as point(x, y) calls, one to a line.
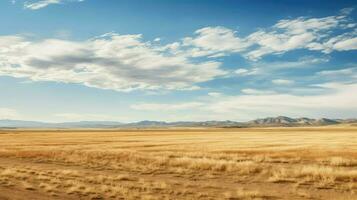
point(261, 122)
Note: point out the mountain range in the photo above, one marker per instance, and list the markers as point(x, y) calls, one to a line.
point(264, 122)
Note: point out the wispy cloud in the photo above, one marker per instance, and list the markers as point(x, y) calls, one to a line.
point(251, 91)
point(86, 117)
point(316, 34)
point(165, 107)
point(44, 3)
point(339, 72)
point(210, 41)
point(247, 72)
point(214, 94)
point(260, 68)
point(282, 82)
point(345, 74)
point(8, 113)
point(334, 100)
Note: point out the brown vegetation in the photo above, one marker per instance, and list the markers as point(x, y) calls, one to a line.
point(255, 163)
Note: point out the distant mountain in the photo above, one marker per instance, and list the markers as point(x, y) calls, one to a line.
point(273, 120)
point(34, 124)
point(146, 123)
point(19, 123)
point(325, 121)
point(88, 124)
point(183, 124)
point(351, 121)
point(287, 121)
point(264, 122)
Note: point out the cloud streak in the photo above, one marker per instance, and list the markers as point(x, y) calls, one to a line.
point(335, 100)
point(166, 107)
point(8, 113)
point(86, 117)
point(44, 3)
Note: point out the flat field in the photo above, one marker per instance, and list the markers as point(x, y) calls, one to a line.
point(245, 163)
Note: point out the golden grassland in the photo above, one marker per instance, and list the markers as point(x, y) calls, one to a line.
point(246, 163)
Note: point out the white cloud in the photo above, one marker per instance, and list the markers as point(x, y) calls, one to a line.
point(346, 74)
point(86, 117)
point(302, 25)
point(165, 107)
point(116, 62)
point(300, 33)
point(305, 33)
point(286, 35)
point(8, 113)
point(273, 43)
point(346, 44)
point(346, 11)
point(40, 4)
point(343, 42)
point(267, 68)
point(346, 71)
point(300, 63)
point(44, 3)
point(335, 100)
point(338, 100)
point(282, 82)
point(246, 72)
point(210, 40)
point(241, 71)
point(256, 91)
point(214, 94)
point(125, 62)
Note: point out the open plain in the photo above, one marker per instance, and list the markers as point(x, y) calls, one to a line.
point(216, 163)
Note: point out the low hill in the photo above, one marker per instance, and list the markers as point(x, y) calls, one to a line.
point(264, 122)
point(286, 121)
point(34, 124)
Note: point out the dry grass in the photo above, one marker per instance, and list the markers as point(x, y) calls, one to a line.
point(27, 185)
point(285, 163)
point(340, 161)
point(246, 194)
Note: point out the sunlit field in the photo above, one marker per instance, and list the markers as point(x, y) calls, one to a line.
point(251, 163)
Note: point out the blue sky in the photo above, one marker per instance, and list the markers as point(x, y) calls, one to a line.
point(71, 60)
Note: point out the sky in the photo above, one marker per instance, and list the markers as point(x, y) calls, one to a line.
point(177, 60)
